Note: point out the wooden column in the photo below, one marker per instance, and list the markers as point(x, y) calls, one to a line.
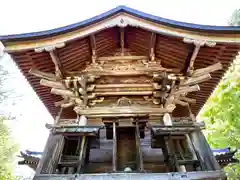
point(138, 147)
point(51, 155)
point(114, 158)
point(194, 153)
point(82, 154)
point(203, 149)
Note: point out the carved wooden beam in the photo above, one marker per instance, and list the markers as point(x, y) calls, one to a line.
point(196, 80)
point(63, 92)
point(52, 84)
point(103, 86)
point(121, 111)
point(93, 47)
point(194, 53)
point(209, 69)
point(51, 49)
point(126, 93)
point(152, 46)
point(187, 89)
point(115, 58)
point(43, 75)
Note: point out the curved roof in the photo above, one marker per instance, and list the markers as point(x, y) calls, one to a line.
point(123, 9)
point(170, 49)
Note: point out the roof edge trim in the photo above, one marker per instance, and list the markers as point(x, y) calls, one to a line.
point(139, 14)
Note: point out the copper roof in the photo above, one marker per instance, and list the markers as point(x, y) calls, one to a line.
point(169, 49)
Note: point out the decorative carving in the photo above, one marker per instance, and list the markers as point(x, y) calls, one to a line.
point(124, 101)
point(199, 42)
point(125, 80)
point(93, 67)
point(49, 47)
point(95, 101)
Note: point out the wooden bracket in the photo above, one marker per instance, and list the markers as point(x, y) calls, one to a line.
point(58, 66)
point(51, 49)
point(194, 53)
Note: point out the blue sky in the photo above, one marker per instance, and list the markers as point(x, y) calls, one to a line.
point(28, 16)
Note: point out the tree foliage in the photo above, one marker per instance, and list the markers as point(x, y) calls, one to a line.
point(222, 111)
point(7, 143)
point(235, 18)
point(7, 150)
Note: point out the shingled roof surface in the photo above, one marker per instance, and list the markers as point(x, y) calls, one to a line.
point(170, 50)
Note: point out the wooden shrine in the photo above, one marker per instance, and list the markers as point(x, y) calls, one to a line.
point(124, 89)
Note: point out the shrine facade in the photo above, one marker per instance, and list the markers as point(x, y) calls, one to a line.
point(124, 89)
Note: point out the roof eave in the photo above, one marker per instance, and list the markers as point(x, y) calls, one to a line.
point(112, 12)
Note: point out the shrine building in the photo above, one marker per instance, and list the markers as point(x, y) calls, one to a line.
point(124, 89)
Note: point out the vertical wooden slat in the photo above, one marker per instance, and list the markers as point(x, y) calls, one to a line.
point(114, 158)
point(57, 153)
point(193, 151)
point(50, 155)
point(138, 147)
point(203, 149)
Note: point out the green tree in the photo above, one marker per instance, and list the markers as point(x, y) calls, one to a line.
point(235, 18)
point(7, 145)
point(222, 111)
point(7, 150)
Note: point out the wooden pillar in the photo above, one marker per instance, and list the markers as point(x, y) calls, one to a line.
point(138, 147)
point(114, 158)
point(203, 149)
point(82, 154)
point(51, 155)
point(195, 156)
